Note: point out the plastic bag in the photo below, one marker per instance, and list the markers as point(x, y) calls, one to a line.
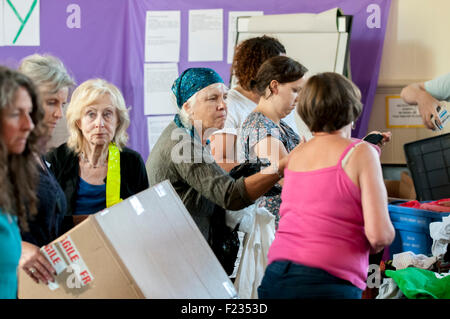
point(253, 262)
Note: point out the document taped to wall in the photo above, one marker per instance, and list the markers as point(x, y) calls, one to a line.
point(400, 114)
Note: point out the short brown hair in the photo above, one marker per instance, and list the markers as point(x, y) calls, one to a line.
point(279, 68)
point(328, 102)
point(250, 54)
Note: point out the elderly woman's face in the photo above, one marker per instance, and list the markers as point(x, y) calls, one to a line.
point(17, 123)
point(99, 121)
point(210, 107)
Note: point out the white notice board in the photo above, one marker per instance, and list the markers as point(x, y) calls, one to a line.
point(318, 41)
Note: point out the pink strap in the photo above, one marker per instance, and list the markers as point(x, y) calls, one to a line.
point(348, 148)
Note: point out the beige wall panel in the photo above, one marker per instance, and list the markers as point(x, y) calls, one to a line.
point(415, 49)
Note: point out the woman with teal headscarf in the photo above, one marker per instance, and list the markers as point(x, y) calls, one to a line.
point(183, 156)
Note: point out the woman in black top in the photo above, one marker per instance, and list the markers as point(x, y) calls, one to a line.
point(94, 168)
point(53, 83)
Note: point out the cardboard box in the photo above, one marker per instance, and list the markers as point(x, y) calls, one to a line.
point(147, 246)
point(402, 189)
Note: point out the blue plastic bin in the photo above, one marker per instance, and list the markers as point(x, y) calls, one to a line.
point(412, 229)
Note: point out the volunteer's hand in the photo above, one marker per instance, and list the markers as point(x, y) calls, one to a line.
point(35, 264)
point(386, 137)
point(427, 109)
point(415, 93)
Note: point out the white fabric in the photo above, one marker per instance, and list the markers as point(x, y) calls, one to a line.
point(389, 290)
point(440, 232)
point(253, 262)
point(244, 216)
point(408, 258)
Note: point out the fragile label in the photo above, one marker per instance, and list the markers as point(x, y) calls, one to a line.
point(54, 257)
point(77, 264)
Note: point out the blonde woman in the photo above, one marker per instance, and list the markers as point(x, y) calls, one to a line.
point(53, 83)
point(94, 168)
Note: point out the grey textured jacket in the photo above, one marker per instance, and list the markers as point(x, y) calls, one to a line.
point(194, 174)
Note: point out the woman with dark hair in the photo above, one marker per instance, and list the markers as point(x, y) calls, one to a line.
point(264, 134)
point(334, 209)
point(21, 127)
point(247, 59)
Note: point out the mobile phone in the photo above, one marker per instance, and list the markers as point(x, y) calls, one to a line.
point(374, 138)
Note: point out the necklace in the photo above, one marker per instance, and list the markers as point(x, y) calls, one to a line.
point(84, 159)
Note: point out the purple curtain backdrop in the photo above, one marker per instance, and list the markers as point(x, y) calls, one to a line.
point(110, 44)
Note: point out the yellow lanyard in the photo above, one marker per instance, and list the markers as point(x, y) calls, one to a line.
point(113, 176)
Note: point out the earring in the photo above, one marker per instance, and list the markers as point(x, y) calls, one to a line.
point(353, 125)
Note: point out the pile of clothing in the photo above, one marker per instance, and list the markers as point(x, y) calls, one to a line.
point(413, 276)
point(440, 206)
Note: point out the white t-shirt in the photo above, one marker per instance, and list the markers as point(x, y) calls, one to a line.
point(439, 87)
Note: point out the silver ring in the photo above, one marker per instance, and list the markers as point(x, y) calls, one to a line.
point(32, 270)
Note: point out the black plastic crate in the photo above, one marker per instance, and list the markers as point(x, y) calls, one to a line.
point(429, 163)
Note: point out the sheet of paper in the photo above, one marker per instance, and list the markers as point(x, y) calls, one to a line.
point(325, 21)
point(162, 36)
point(232, 20)
point(2, 4)
point(158, 80)
point(155, 126)
point(401, 114)
point(205, 35)
point(21, 22)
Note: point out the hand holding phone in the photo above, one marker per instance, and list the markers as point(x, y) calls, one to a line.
point(374, 138)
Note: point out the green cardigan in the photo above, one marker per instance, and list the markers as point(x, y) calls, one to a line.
point(194, 174)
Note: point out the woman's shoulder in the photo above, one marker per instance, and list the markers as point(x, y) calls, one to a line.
point(130, 154)
point(61, 151)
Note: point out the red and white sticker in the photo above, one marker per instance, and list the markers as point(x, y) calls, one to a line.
point(54, 257)
point(75, 261)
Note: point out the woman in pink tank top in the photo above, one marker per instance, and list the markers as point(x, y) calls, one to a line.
point(334, 202)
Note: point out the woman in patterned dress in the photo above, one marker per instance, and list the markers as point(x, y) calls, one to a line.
point(265, 136)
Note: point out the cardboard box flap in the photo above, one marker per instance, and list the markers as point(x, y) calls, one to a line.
point(162, 248)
